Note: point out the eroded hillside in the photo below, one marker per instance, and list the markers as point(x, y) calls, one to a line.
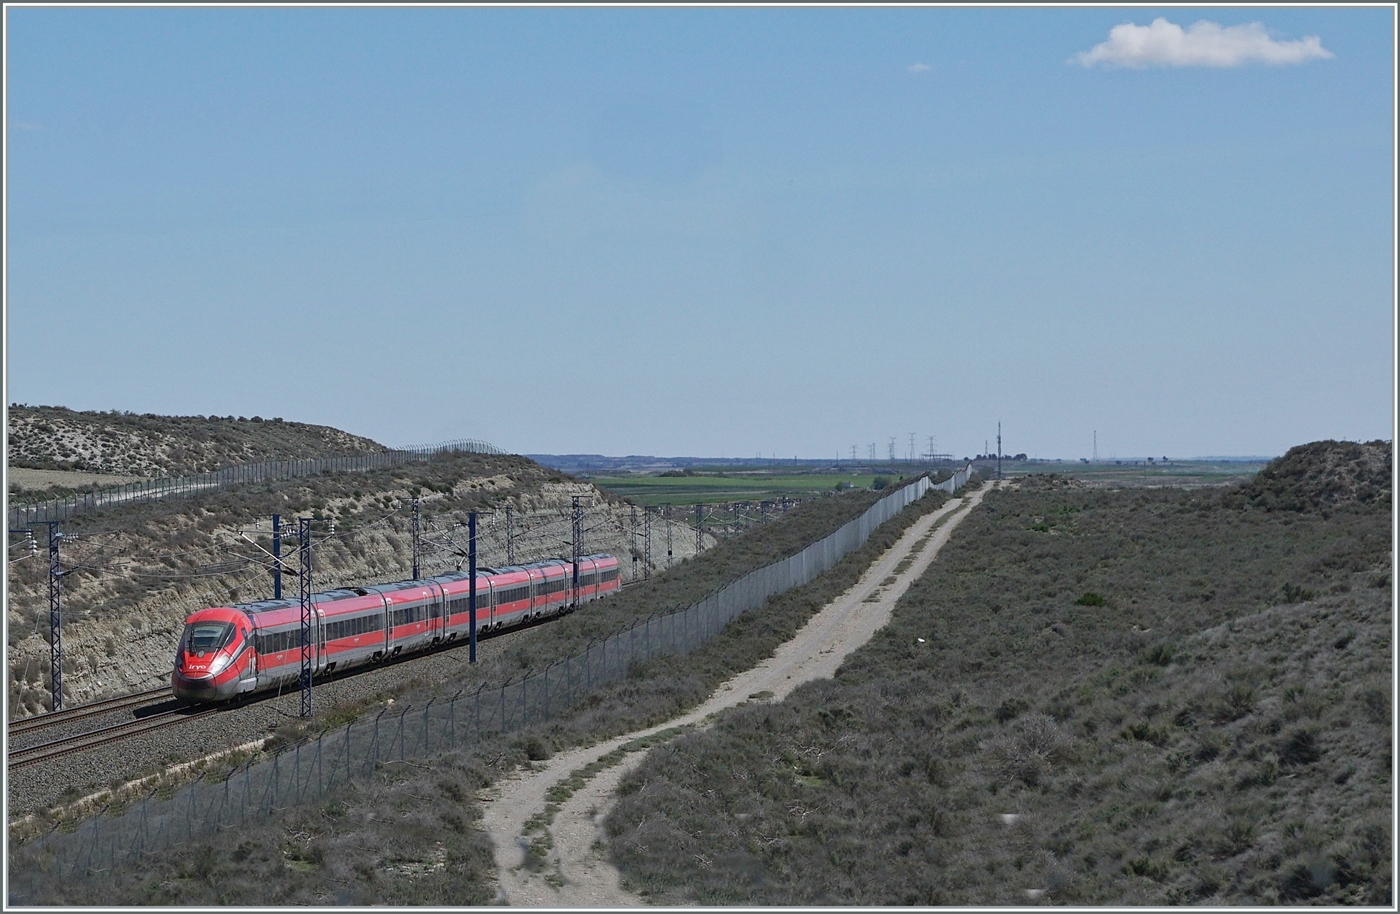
point(137, 571)
point(127, 444)
point(1320, 475)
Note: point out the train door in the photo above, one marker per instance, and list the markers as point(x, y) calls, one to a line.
point(382, 648)
point(248, 681)
point(437, 611)
point(537, 595)
point(318, 638)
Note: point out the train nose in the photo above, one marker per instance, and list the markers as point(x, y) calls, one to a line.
point(193, 688)
point(198, 678)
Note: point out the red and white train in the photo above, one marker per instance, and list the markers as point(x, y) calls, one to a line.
point(226, 651)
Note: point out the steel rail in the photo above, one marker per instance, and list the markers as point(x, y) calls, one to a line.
point(82, 712)
point(68, 745)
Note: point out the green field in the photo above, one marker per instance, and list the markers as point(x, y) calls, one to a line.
point(710, 489)
point(1178, 473)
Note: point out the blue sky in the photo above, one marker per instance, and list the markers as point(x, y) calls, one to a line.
point(711, 231)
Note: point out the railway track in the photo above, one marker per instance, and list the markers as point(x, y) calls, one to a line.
point(83, 712)
point(156, 720)
point(31, 755)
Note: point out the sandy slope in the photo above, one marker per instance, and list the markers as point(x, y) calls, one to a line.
point(575, 871)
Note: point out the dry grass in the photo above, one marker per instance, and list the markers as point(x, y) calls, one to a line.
point(409, 837)
point(1204, 736)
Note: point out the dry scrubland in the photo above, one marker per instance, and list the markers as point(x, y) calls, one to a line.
point(1094, 697)
point(141, 569)
point(1132, 696)
point(127, 444)
point(411, 835)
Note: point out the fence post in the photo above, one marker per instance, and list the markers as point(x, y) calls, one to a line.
point(478, 709)
point(320, 771)
point(546, 688)
point(276, 779)
point(96, 831)
point(345, 740)
point(189, 814)
point(452, 718)
point(401, 737)
point(224, 805)
point(423, 750)
point(374, 743)
point(141, 843)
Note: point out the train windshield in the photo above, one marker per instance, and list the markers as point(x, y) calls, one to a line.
point(203, 637)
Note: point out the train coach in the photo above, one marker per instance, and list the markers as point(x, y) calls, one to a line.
point(227, 651)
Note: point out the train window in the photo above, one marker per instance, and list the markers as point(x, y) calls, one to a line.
point(203, 637)
point(277, 642)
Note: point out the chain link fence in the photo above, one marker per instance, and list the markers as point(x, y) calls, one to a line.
point(150, 490)
point(313, 768)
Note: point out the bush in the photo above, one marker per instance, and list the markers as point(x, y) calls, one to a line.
point(1149, 756)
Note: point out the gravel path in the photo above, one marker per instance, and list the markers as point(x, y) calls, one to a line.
point(575, 871)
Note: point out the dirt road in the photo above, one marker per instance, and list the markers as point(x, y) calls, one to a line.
point(573, 870)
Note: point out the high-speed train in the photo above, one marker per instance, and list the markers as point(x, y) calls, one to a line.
point(227, 651)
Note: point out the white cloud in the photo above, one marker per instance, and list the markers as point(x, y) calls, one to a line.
point(918, 68)
point(1205, 44)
